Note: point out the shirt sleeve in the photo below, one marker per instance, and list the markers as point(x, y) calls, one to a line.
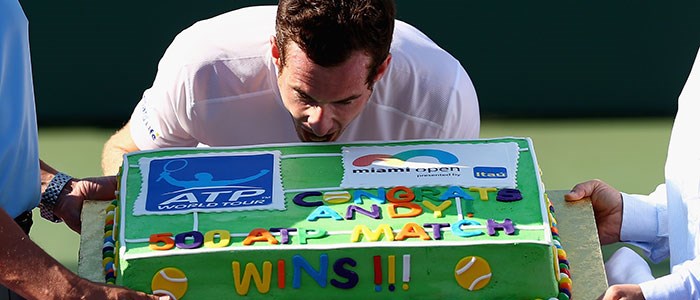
point(162, 118)
point(147, 123)
point(682, 283)
point(645, 223)
point(462, 120)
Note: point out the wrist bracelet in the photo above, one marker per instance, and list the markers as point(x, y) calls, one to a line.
point(49, 197)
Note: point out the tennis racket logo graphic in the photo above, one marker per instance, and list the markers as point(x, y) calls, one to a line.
point(171, 167)
point(202, 179)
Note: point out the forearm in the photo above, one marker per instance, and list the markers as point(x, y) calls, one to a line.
point(27, 269)
point(111, 159)
point(47, 173)
point(30, 272)
point(114, 149)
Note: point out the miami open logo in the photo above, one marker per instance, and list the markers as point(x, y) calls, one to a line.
point(210, 182)
point(433, 164)
point(401, 159)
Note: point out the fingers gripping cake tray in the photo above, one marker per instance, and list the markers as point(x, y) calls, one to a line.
point(428, 219)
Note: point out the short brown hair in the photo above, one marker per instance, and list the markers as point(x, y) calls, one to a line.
point(329, 31)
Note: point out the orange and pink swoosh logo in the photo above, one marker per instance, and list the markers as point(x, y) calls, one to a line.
point(399, 159)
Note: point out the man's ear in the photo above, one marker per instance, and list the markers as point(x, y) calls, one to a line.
point(275, 52)
point(381, 70)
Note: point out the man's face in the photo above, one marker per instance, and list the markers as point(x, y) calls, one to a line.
point(322, 101)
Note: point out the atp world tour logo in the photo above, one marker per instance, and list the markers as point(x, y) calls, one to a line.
point(210, 182)
point(434, 164)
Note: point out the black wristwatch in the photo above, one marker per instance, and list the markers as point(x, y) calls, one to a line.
point(49, 197)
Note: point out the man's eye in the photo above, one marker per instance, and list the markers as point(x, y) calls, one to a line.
point(303, 100)
point(307, 102)
point(345, 102)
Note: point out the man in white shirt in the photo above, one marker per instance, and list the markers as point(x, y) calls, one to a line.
point(663, 224)
point(313, 72)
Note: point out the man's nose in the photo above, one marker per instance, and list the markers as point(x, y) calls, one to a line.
point(320, 120)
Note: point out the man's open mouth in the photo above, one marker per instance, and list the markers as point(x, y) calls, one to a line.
point(310, 137)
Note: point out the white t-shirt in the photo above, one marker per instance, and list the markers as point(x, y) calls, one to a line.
point(217, 85)
point(20, 184)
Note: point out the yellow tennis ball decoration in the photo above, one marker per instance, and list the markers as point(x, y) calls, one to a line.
point(473, 273)
point(169, 281)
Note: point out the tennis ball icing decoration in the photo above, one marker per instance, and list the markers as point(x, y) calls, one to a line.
point(472, 273)
point(169, 281)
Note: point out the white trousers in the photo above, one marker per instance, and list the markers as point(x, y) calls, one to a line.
point(626, 267)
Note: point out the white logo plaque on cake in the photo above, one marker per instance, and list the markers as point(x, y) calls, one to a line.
point(472, 165)
point(210, 182)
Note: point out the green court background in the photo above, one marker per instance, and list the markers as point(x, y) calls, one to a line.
point(627, 153)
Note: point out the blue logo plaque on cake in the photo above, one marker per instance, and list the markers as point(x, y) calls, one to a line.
point(210, 182)
point(490, 172)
